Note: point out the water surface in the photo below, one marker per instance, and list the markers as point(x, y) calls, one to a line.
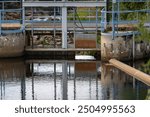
point(68, 80)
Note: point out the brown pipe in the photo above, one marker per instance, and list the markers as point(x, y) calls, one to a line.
point(131, 71)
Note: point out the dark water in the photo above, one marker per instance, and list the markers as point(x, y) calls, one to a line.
point(72, 80)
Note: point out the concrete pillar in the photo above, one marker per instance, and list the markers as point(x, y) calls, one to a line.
point(23, 18)
point(64, 27)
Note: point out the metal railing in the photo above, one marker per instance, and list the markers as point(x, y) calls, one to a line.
point(131, 0)
point(80, 17)
point(114, 1)
point(121, 21)
point(7, 23)
point(60, 0)
point(117, 20)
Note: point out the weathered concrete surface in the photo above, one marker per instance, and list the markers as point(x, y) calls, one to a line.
point(142, 50)
point(12, 45)
point(121, 48)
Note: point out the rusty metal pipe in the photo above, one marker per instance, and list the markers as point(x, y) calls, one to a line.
point(145, 78)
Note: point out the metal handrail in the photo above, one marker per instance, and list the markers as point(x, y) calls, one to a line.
point(11, 10)
point(10, 21)
point(127, 11)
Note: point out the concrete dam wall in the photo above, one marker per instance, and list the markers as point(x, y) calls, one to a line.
point(12, 45)
point(121, 48)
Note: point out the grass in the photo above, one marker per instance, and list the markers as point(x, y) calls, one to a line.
point(84, 14)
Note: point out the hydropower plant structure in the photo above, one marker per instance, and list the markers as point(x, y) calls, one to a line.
point(69, 26)
point(65, 30)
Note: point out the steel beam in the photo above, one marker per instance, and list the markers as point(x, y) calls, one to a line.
point(64, 27)
point(59, 29)
point(64, 4)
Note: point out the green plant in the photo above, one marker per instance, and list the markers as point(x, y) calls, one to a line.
point(146, 67)
point(144, 32)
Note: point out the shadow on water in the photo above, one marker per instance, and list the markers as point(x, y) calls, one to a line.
point(119, 85)
point(67, 80)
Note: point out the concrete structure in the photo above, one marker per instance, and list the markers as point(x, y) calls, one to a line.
point(61, 22)
point(12, 45)
point(123, 47)
point(118, 34)
point(11, 30)
point(64, 25)
point(119, 48)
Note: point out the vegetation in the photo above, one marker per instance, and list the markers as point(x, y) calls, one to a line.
point(146, 67)
point(84, 14)
point(142, 17)
point(144, 32)
point(131, 6)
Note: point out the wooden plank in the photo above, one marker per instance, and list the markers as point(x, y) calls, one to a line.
point(141, 76)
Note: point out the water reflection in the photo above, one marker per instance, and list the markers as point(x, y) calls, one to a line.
point(66, 80)
point(12, 75)
point(75, 82)
point(118, 85)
